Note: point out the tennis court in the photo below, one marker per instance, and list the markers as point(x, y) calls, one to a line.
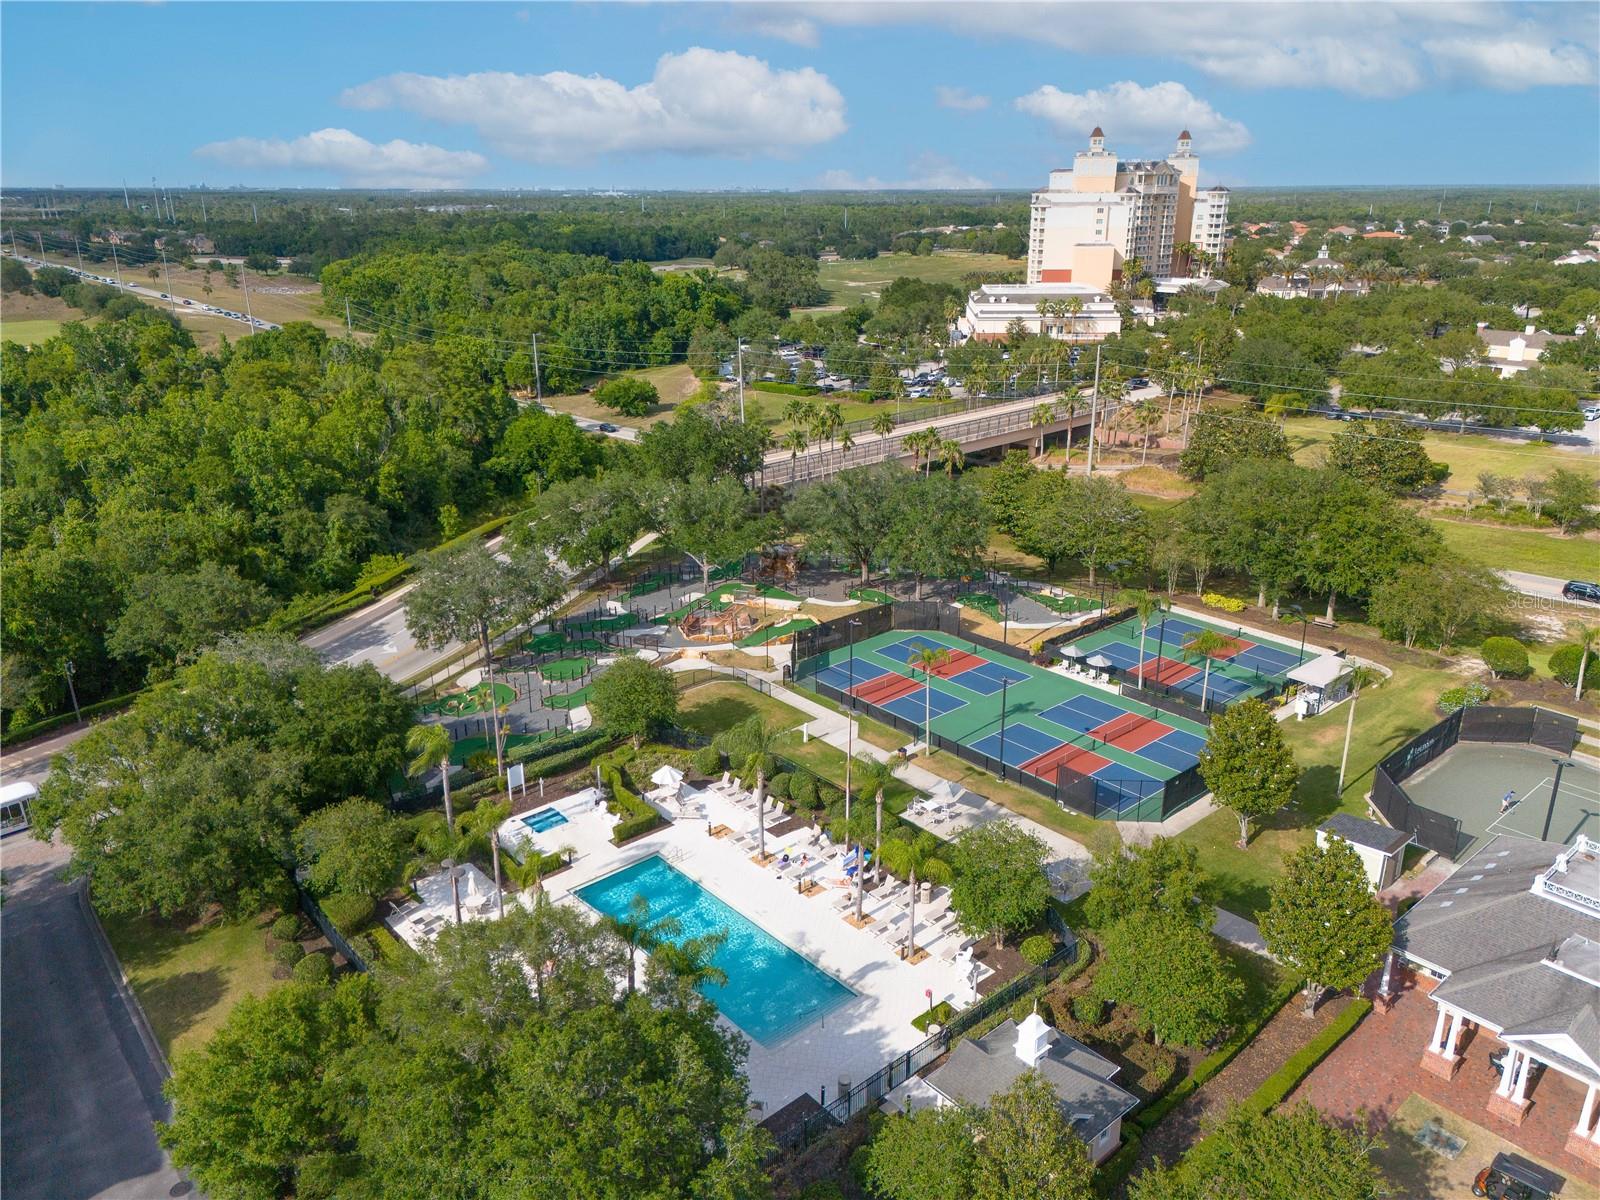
point(1050, 721)
point(1495, 788)
point(1242, 665)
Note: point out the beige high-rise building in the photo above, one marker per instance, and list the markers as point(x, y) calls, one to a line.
point(1102, 211)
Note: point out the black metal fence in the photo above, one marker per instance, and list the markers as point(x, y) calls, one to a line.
point(867, 1093)
point(1437, 831)
point(309, 905)
point(1106, 797)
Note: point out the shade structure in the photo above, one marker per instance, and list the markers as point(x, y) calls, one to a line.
point(1100, 662)
point(667, 776)
point(1072, 651)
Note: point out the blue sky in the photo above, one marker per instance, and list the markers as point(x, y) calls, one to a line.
point(790, 95)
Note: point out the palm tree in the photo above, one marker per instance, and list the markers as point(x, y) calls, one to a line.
point(687, 964)
point(482, 824)
point(1072, 306)
point(796, 443)
point(429, 747)
point(829, 421)
point(1145, 606)
point(1587, 637)
point(760, 737)
point(883, 424)
point(638, 931)
point(1042, 415)
point(915, 857)
point(926, 660)
point(1148, 414)
point(951, 454)
point(923, 444)
point(1132, 268)
point(873, 775)
point(799, 411)
point(1186, 251)
point(529, 873)
point(846, 442)
point(1206, 643)
point(1360, 677)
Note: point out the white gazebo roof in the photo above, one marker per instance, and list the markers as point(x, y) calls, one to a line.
point(1321, 672)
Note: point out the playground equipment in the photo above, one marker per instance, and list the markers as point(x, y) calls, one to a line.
point(780, 563)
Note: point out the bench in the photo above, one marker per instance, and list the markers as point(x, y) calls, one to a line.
point(1324, 623)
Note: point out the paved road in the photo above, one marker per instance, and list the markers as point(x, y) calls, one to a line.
point(184, 305)
point(1545, 586)
point(79, 1087)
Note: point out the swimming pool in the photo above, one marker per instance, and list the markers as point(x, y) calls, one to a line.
point(771, 993)
point(544, 819)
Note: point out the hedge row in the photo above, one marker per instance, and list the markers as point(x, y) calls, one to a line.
point(1286, 1078)
point(33, 729)
point(1113, 1173)
point(578, 749)
point(637, 817)
point(786, 389)
point(1151, 1115)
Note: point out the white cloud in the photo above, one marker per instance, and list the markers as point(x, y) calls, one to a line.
point(928, 172)
point(1371, 50)
point(762, 21)
point(959, 99)
point(352, 159)
point(1142, 117)
point(698, 102)
point(1511, 64)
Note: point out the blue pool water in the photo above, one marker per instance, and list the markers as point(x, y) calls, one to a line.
point(771, 992)
point(544, 818)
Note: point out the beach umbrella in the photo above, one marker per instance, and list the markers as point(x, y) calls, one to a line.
point(1072, 651)
point(1100, 662)
point(667, 776)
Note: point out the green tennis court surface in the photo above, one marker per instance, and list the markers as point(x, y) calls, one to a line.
point(1128, 749)
point(1473, 780)
point(1245, 665)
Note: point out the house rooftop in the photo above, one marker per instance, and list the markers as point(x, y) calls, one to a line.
point(1359, 832)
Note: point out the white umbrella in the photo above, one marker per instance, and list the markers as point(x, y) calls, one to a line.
point(1100, 662)
point(667, 776)
point(1071, 651)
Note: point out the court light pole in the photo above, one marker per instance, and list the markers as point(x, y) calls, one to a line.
point(1555, 788)
point(1304, 620)
point(1004, 684)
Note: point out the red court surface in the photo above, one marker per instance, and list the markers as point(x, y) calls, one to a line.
point(885, 688)
point(1167, 671)
point(959, 661)
point(1086, 762)
point(1130, 732)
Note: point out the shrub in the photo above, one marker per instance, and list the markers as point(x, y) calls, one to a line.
point(1087, 1009)
point(803, 791)
point(1456, 698)
point(828, 794)
point(708, 760)
point(1225, 603)
point(1505, 656)
point(1037, 948)
point(1301, 1063)
point(778, 785)
point(481, 762)
point(349, 913)
point(287, 927)
point(1564, 663)
point(313, 968)
point(287, 954)
point(628, 395)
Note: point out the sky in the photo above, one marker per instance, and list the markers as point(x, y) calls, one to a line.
point(791, 95)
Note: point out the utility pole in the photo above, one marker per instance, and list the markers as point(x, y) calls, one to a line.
point(73, 692)
point(40, 238)
point(348, 331)
point(202, 210)
point(126, 203)
point(244, 285)
point(78, 247)
point(739, 370)
point(167, 271)
point(255, 217)
point(156, 196)
point(115, 265)
point(538, 385)
point(1094, 402)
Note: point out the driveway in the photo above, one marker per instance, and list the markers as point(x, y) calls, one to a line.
point(79, 1086)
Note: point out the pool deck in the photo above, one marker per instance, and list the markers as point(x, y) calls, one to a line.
point(851, 1041)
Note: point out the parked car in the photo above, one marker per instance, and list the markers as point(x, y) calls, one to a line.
point(1592, 413)
point(1511, 1177)
point(606, 427)
point(1577, 589)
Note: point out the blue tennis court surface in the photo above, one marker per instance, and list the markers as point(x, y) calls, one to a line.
point(1022, 742)
point(1266, 660)
point(1174, 627)
point(1121, 654)
point(920, 705)
point(847, 674)
point(1220, 685)
point(1123, 786)
point(1169, 754)
point(988, 679)
point(1082, 713)
point(906, 649)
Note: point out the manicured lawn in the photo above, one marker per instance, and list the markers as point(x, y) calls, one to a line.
point(1386, 717)
point(861, 281)
point(879, 735)
point(1101, 837)
point(714, 707)
point(1467, 455)
point(1532, 550)
point(822, 759)
point(189, 979)
point(28, 333)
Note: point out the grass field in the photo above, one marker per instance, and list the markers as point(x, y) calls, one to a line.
point(28, 333)
point(860, 281)
point(1532, 550)
point(675, 384)
point(188, 980)
point(1386, 717)
point(1467, 455)
point(713, 707)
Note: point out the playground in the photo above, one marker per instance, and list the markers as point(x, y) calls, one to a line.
point(1494, 788)
point(1241, 666)
point(1048, 722)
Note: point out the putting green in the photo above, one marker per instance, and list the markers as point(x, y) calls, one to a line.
point(773, 633)
point(471, 702)
point(564, 669)
point(570, 699)
point(545, 643)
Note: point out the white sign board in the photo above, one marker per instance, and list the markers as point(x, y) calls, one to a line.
point(515, 775)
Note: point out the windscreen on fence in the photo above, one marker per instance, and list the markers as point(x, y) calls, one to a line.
point(1537, 726)
point(1422, 749)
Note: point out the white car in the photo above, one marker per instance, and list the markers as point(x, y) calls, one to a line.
point(1592, 413)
